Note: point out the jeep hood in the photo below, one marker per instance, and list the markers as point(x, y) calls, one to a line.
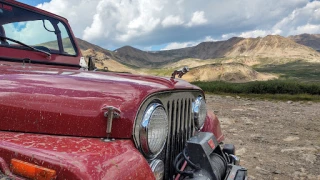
point(71, 102)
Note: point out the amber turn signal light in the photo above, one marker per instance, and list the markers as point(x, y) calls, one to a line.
point(32, 171)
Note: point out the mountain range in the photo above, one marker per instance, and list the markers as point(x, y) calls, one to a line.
point(302, 46)
point(236, 59)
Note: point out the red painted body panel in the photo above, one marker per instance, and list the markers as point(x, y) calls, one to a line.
point(19, 53)
point(22, 54)
point(76, 158)
point(70, 102)
point(212, 124)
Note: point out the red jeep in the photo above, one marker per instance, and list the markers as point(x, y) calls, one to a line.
point(60, 119)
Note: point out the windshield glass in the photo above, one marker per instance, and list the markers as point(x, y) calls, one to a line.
point(36, 30)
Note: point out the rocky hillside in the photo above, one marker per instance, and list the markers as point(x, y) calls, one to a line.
point(231, 72)
point(249, 51)
point(84, 45)
point(204, 50)
point(311, 40)
point(103, 61)
point(271, 46)
point(230, 60)
point(139, 58)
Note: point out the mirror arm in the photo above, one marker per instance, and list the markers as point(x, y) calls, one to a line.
point(91, 66)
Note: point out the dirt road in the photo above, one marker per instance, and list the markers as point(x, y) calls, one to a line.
point(275, 140)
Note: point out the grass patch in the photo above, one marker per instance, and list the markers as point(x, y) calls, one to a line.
point(261, 87)
point(277, 97)
point(298, 70)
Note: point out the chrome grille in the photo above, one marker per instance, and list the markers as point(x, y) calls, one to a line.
point(178, 105)
point(180, 130)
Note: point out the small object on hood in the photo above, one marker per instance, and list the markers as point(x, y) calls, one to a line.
point(180, 72)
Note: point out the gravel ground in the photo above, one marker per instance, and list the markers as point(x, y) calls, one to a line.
point(275, 140)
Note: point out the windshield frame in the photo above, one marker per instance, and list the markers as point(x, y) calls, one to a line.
point(49, 15)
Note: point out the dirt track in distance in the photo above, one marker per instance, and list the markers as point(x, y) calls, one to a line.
point(274, 139)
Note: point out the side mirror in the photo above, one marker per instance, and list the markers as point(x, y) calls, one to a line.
point(91, 66)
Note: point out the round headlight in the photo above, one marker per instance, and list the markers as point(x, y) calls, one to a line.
point(153, 130)
point(199, 111)
point(157, 168)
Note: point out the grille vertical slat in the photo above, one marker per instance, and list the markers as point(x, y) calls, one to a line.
point(173, 137)
point(190, 119)
point(181, 125)
point(187, 120)
point(168, 165)
point(180, 130)
point(178, 127)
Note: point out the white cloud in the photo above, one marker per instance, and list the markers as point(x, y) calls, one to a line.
point(177, 45)
point(198, 18)
point(144, 23)
point(228, 36)
point(300, 20)
point(254, 33)
point(308, 28)
point(209, 38)
point(171, 21)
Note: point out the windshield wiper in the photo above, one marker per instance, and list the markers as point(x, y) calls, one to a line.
point(23, 44)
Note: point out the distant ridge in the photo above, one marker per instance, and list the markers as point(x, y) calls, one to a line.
point(84, 45)
point(271, 46)
point(235, 60)
point(311, 40)
point(236, 48)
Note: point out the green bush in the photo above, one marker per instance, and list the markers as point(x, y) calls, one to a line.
point(261, 87)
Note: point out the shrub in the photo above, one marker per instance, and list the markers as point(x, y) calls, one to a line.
point(261, 87)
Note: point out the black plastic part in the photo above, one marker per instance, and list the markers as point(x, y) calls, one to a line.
point(190, 163)
point(208, 160)
point(204, 151)
point(237, 173)
point(177, 162)
point(241, 175)
point(229, 149)
point(91, 65)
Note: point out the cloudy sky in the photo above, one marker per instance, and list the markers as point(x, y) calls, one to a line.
point(171, 24)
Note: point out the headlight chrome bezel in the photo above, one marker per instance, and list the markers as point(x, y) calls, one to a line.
point(199, 110)
point(157, 168)
point(145, 128)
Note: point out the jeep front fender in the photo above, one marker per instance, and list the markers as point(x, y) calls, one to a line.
point(75, 157)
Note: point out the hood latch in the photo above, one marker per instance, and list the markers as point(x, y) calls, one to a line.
point(112, 113)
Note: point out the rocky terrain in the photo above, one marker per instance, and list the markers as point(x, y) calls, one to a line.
point(231, 72)
point(275, 140)
point(311, 40)
point(103, 61)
